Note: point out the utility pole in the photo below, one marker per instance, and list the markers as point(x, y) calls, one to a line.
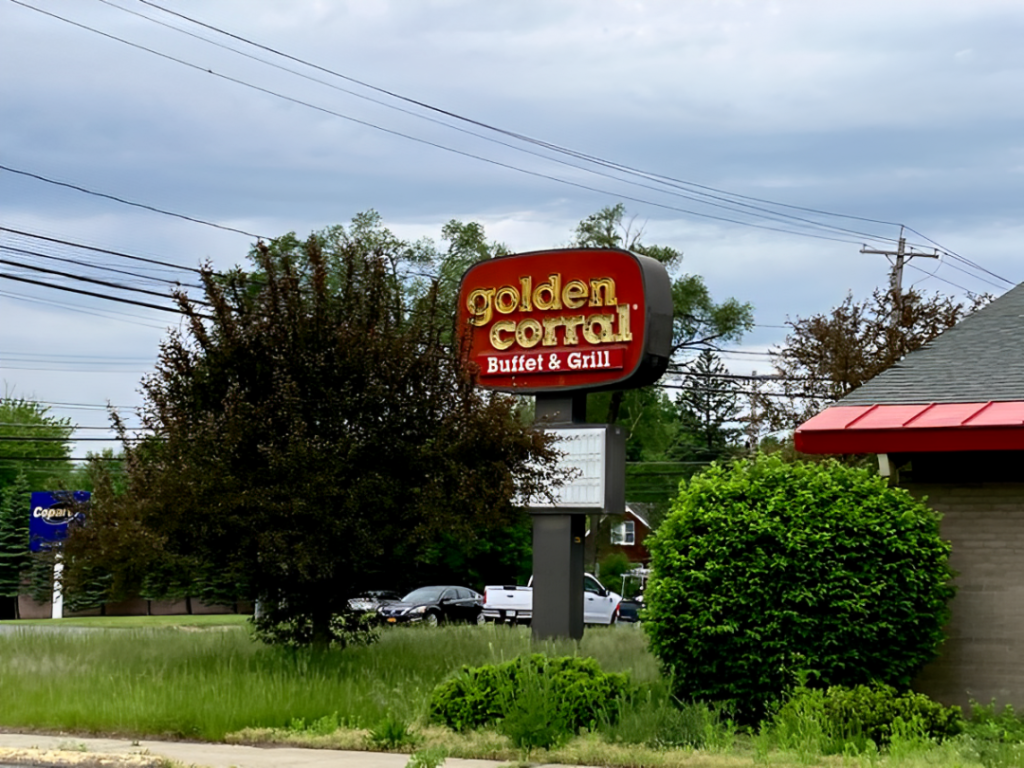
point(896, 275)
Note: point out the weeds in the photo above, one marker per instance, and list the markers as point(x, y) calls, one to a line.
point(392, 733)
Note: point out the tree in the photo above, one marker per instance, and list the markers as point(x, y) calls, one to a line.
point(309, 428)
point(767, 571)
point(14, 552)
point(708, 409)
point(827, 356)
point(35, 444)
point(698, 322)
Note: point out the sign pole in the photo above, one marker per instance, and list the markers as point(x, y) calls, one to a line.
point(57, 610)
point(558, 541)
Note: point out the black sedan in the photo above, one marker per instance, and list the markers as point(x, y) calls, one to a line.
point(432, 605)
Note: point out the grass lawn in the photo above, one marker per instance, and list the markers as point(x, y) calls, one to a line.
point(143, 676)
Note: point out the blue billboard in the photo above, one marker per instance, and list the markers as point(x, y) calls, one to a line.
point(50, 515)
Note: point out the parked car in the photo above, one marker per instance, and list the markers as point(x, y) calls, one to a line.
point(629, 611)
point(432, 605)
point(515, 604)
point(372, 599)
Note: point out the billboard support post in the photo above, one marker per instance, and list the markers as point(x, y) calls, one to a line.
point(558, 541)
point(57, 609)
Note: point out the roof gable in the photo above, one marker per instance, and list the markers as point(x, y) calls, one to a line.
point(978, 360)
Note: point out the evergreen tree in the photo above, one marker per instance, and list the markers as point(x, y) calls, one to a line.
point(14, 553)
point(708, 409)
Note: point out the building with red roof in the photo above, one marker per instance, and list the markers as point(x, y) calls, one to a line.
point(947, 423)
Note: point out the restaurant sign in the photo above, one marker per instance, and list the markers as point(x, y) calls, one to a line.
point(572, 319)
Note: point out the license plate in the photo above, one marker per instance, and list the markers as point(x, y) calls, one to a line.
point(511, 614)
point(392, 620)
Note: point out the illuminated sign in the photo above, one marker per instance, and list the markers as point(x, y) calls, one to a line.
point(572, 319)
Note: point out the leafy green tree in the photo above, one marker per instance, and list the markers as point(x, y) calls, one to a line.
point(310, 428)
point(708, 409)
point(698, 322)
point(766, 572)
point(35, 444)
point(14, 552)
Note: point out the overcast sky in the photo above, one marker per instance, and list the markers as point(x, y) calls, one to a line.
point(894, 112)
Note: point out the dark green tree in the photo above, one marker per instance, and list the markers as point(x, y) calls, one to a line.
point(768, 571)
point(14, 552)
point(708, 409)
point(310, 428)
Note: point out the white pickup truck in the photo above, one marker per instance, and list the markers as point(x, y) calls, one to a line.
point(515, 604)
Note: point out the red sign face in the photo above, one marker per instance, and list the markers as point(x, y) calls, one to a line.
point(568, 319)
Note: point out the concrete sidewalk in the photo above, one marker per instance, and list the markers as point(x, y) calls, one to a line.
point(203, 755)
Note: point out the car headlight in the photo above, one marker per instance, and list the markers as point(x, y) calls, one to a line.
point(419, 609)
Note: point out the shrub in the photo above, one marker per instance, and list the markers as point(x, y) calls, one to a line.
point(862, 716)
point(766, 570)
point(653, 717)
point(989, 724)
point(583, 694)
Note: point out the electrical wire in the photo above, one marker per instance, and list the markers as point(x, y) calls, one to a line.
point(115, 198)
point(436, 145)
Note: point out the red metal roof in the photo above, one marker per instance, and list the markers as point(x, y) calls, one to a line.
point(992, 426)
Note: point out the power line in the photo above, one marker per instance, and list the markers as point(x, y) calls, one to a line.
point(697, 196)
point(91, 293)
point(102, 267)
point(94, 281)
point(105, 314)
point(472, 121)
point(73, 244)
point(436, 145)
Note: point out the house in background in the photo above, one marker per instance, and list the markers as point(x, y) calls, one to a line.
point(947, 424)
point(612, 534)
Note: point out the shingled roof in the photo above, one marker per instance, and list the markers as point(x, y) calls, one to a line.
point(978, 360)
point(964, 391)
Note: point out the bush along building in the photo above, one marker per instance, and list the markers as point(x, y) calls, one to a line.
point(947, 423)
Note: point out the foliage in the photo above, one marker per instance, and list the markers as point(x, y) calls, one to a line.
point(698, 322)
point(708, 409)
point(990, 723)
point(42, 454)
point(433, 757)
point(827, 356)
point(14, 551)
point(392, 732)
point(765, 570)
point(583, 694)
point(501, 555)
point(653, 717)
point(613, 566)
point(310, 427)
point(533, 714)
point(861, 718)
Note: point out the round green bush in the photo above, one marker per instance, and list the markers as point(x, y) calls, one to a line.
point(579, 693)
point(766, 573)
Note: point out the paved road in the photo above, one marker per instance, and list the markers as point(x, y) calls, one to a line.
point(229, 755)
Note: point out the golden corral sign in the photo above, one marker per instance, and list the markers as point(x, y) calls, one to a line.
point(571, 319)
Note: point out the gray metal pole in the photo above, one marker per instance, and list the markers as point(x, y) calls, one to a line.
point(558, 543)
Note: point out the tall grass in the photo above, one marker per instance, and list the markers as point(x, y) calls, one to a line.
point(204, 684)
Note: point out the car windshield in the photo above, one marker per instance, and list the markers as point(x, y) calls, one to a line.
point(424, 595)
